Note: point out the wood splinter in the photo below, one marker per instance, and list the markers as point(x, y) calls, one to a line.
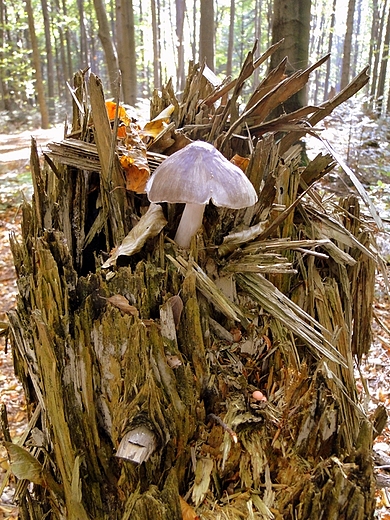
point(137, 445)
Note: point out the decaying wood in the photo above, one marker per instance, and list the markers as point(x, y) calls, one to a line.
point(143, 361)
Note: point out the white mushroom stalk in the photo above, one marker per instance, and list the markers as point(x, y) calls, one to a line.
point(190, 222)
point(195, 175)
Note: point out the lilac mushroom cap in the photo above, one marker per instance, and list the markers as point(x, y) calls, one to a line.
point(195, 175)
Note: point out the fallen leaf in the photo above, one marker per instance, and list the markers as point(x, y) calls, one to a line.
point(157, 125)
point(122, 303)
point(122, 116)
point(24, 465)
point(177, 305)
point(187, 511)
point(241, 162)
point(148, 226)
point(136, 168)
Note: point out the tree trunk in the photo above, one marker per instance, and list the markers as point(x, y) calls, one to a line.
point(229, 61)
point(49, 60)
point(258, 34)
point(160, 373)
point(126, 49)
point(206, 35)
point(108, 47)
point(156, 46)
point(180, 14)
point(383, 69)
point(83, 51)
point(39, 87)
point(347, 49)
point(5, 105)
point(330, 42)
point(291, 22)
point(375, 44)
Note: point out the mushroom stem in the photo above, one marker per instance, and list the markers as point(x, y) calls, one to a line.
point(190, 222)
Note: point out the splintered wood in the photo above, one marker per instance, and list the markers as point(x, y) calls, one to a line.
point(146, 361)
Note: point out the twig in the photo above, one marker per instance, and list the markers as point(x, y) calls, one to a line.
point(227, 429)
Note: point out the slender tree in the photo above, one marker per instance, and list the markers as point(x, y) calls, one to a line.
point(207, 33)
point(49, 59)
point(156, 46)
point(346, 67)
point(3, 84)
point(39, 87)
point(375, 27)
point(258, 35)
point(383, 69)
point(229, 62)
point(126, 49)
point(83, 43)
point(330, 43)
point(180, 15)
point(108, 46)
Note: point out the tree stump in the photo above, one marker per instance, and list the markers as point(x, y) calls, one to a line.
point(211, 383)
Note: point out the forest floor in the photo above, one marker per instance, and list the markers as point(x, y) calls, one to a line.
point(361, 140)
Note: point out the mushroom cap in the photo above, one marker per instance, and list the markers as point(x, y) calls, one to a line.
point(197, 173)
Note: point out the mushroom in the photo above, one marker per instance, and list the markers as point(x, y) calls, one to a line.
point(194, 175)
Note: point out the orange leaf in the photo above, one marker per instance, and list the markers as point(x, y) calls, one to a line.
point(122, 116)
point(241, 162)
point(136, 174)
point(187, 511)
point(157, 125)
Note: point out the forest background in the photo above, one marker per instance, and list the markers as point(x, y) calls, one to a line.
point(43, 43)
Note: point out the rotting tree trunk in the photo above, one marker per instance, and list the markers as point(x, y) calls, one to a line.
point(139, 402)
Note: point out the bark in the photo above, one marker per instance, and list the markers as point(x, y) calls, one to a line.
point(39, 87)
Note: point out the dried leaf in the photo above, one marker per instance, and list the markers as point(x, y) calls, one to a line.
point(204, 467)
point(122, 303)
point(241, 162)
point(148, 226)
point(157, 125)
point(187, 511)
point(24, 465)
point(135, 165)
point(122, 116)
point(176, 304)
